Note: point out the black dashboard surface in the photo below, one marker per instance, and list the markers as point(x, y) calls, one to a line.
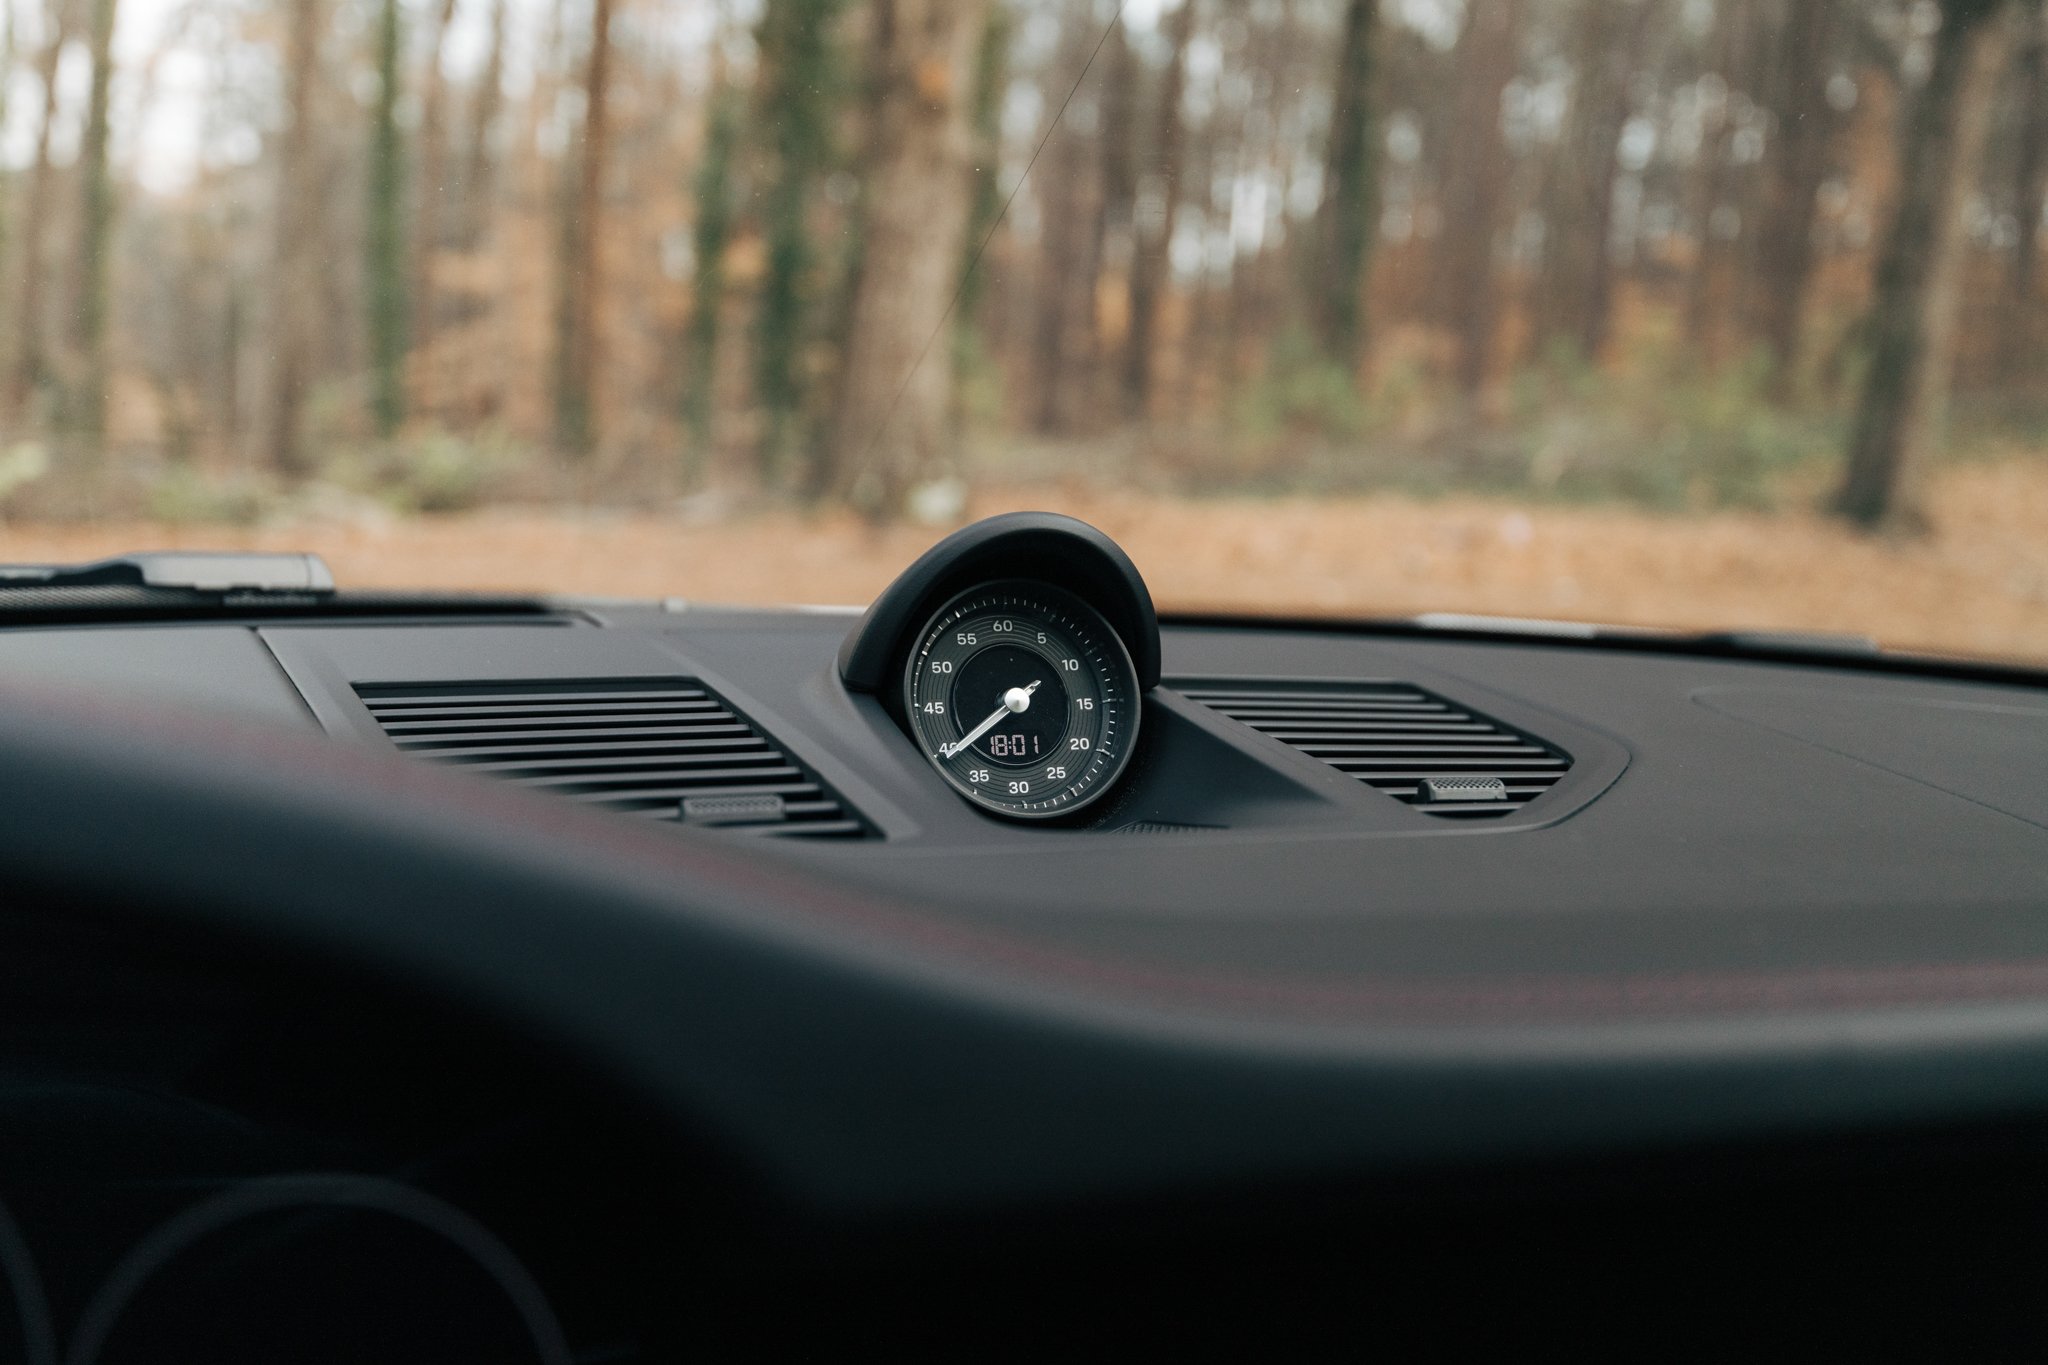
point(1759, 982)
point(1684, 940)
point(1733, 827)
point(1704, 828)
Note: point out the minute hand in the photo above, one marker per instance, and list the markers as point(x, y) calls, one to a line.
point(1016, 701)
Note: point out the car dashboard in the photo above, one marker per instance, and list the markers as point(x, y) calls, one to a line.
point(640, 977)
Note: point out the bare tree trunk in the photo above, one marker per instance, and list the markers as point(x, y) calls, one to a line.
point(27, 372)
point(234, 310)
point(1200, 358)
point(85, 401)
point(576, 322)
point(1066, 183)
point(2019, 322)
point(985, 118)
point(429, 209)
point(1734, 45)
point(1795, 166)
point(1475, 184)
point(9, 51)
point(1115, 212)
point(1258, 278)
point(478, 181)
point(716, 210)
point(384, 239)
point(1155, 216)
point(1912, 321)
point(797, 89)
point(915, 215)
point(298, 250)
point(1577, 288)
point(1351, 191)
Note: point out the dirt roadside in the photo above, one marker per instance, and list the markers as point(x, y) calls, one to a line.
point(1979, 585)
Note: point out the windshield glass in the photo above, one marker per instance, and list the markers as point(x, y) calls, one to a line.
point(1693, 313)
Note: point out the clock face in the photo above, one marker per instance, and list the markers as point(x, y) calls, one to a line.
point(1024, 698)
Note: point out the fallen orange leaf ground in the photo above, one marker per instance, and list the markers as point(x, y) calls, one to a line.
point(1978, 585)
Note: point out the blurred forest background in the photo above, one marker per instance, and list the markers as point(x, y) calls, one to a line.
point(705, 256)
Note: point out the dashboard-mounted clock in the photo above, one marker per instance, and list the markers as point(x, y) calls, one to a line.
point(1016, 655)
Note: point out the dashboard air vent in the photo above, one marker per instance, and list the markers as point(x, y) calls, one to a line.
point(663, 748)
point(1418, 747)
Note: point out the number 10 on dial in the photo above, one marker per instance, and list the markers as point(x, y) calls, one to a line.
point(1024, 698)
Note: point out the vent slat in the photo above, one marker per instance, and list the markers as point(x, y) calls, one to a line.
point(556, 720)
point(431, 710)
point(817, 829)
point(1427, 764)
point(1471, 810)
point(636, 747)
point(810, 810)
point(725, 751)
point(562, 725)
point(479, 747)
point(377, 698)
point(759, 778)
point(667, 797)
point(1394, 736)
point(1362, 715)
point(1317, 741)
point(753, 781)
point(1518, 788)
point(1338, 725)
point(1364, 694)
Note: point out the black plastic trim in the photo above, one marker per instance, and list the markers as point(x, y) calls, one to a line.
point(130, 606)
point(1043, 546)
point(1597, 758)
